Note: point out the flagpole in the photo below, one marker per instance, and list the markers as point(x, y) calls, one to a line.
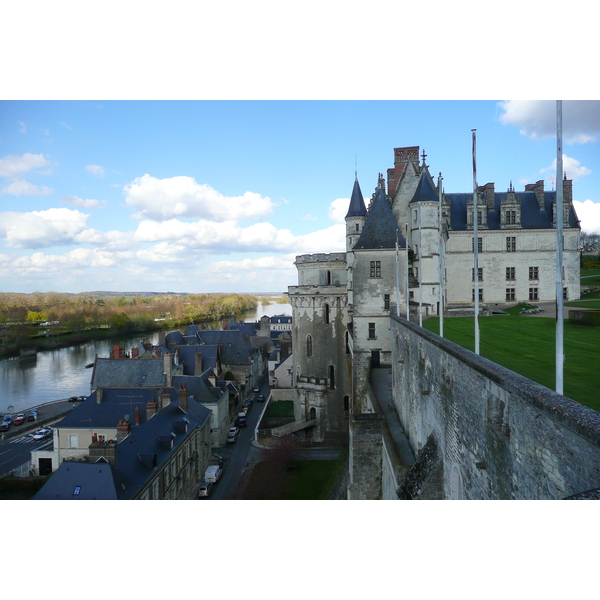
point(407, 282)
point(397, 278)
point(559, 252)
point(475, 247)
point(420, 272)
point(441, 258)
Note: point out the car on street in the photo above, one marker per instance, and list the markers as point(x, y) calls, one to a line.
point(80, 398)
point(256, 389)
point(241, 422)
point(261, 398)
point(7, 419)
point(42, 434)
point(19, 419)
point(205, 489)
point(243, 412)
point(73, 399)
point(232, 436)
point(4, 427)
point(32, 416)
point(248, 404)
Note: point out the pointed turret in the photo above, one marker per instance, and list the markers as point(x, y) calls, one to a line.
point(425, 191)
point(381, 229)
point(356, 216)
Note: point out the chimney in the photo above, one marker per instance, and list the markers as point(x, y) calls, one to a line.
point(123, 429)
point(135, 352)
point(567, 190)
point(197, 363)
point(212, 379)
point(165, 399)
point(158, 352)
point(161, 338)
point(489, 195)
point(116, 353)
point(137, 415)
point(183, 398)
point(168, 369)
point(103, 451)
point(151, 409)
point(539, 193)
point(99, 395)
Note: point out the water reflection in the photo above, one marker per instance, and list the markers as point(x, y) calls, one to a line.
point(61, 373)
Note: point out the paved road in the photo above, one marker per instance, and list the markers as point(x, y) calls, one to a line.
point(16, 451)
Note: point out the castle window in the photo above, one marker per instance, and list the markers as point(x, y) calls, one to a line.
point(479, 273)
point(386, 302)
point(357, 228)
point(510, 294)
point(511, 217)
point(328, 277)
point(510, 273)
point(332, 377)
point(479, 244)
point(533, 273)
point(533, 293)
point(309, 347)
point(326, 318)
point(511, 244)
point(375, 268)
point(480, 295)
point(565, 294)
point(372, 331)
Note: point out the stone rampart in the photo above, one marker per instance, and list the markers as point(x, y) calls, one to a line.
point(498, 435)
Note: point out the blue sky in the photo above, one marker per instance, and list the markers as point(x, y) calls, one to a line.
point(220, 196)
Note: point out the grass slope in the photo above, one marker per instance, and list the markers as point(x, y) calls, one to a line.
point(526, 345)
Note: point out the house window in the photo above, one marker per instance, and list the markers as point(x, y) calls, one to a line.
point(73, 441)
point(479, 244)
point(533, 293)
point(511, 217)
point(510, 273)
point(510, 294)
point(386, 302)
point(511, 244)
point(375, 268)
point(533, 273)
point(480, 295)
point(479, 273)
point(372, 331)
point(309, 345)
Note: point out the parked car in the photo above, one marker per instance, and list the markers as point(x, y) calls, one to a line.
point(256, 389)
point(205, 489)
point(212, 473)
point(249, 403)
point(261, 398)
point(80, 398)
point(8, 420)
point(232, 437)
point(41, 434)
point(32, 416)
point(221, 460)
point(241, 422)
point(242, 413)
point(4, 427)
point(19, 419)
point(73, 399)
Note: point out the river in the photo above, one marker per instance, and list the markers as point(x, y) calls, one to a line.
point(61, 373)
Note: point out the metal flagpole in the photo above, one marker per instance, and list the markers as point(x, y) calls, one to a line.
point(441, 258)
point(397, 278)
point(407, 289)
point(475, 248)
point(420, 272)
point(559, 252)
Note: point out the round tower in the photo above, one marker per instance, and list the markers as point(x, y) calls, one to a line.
point(355, 217)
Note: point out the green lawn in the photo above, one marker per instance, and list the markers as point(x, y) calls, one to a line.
point(280, 409)
point(590, 276)
point(585, 304)
point(526, 345)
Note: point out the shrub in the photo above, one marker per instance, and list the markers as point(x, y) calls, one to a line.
point(591, 318)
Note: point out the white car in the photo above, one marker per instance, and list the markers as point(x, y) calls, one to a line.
point(232, 436)
point(41, 434)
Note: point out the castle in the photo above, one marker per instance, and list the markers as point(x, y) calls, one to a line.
point(413, 243)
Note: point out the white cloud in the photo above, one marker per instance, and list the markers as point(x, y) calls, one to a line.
point(14, 164)
point(270, 263)
point(38, 229)
point(65, 125)
point(338, 210)
point(22, 127)
point(75, 201)
point(20, 187)
point(95, 170)
point(537, 118)
point(308, 217)
point(588, 213)
point(183, 197)
point(571, 166)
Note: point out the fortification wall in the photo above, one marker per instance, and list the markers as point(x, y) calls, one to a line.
point(498, 435)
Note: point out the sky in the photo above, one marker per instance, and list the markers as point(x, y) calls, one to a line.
point(221, 195)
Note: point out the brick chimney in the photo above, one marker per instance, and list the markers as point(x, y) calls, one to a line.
point(538, 188)
point(151, 409)
point(183, 397)
point(123, 429)
point(116, 351)
point(489, 195)
point(165, 399)
point(135, 352)
point(567, 190)
point(137, 415)
point(197, 363)
point(168, 369)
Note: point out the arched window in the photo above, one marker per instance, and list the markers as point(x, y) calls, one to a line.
point(357, 227)
point(346, 403)
point(326, 317)
point(332, 377)
point(328, 277)
point(309, 345)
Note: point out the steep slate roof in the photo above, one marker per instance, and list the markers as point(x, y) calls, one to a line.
point(234, 348)
point(425, 191)
point(531, 215)
point(381, 229)
point(130, 373)
point(187, 355)
point(357, 206)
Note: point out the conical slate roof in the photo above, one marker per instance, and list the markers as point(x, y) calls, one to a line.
point(425, 191)
point(381, 229)
point(357, 206)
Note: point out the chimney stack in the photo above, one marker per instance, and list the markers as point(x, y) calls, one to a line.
point(183, 397)
point(197, 363)
point(123, 429)
point(151, 409)
point(135, 352)
point(489, 195)
point(168, 369)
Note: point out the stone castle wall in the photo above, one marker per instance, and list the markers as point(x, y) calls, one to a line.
point(498, 435)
